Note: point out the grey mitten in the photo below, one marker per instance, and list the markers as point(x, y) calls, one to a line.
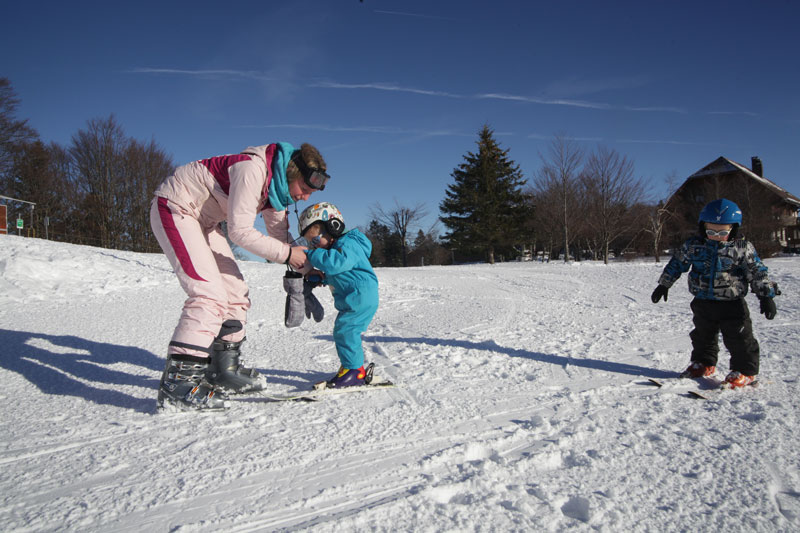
point(313, 307)
point(295, 302)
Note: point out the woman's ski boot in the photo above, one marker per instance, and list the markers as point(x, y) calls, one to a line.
point(183, 385)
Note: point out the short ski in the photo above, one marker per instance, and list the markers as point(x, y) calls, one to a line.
point(690, 392)
point(321, 389)
point(313, 395)
point(713, 386)
point(697, 394)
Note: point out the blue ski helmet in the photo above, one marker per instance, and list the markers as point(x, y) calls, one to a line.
point(721, 211)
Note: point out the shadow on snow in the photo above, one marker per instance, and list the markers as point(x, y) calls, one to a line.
point(553, 359)
point(65, 365)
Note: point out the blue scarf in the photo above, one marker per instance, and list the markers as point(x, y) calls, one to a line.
point(278, 195)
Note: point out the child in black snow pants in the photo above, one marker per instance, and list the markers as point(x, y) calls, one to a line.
point(721, 269)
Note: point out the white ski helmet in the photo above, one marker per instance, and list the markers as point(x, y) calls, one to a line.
point(324, 212)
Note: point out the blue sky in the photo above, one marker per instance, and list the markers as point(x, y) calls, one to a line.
point(393, 93)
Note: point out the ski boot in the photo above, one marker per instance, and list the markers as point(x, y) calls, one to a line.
point(351, 377)
point(228, 374)
point(698, 370)
point(183, 385)
point(735, 379)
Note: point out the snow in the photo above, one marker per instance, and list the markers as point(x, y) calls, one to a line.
point(523, 405)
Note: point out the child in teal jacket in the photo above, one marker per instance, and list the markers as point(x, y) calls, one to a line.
point(343, 258)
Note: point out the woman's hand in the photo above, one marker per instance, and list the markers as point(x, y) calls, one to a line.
point(298, 257)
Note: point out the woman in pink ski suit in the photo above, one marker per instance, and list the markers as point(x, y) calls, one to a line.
point(203, 355)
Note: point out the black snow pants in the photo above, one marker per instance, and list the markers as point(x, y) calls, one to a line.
point(732, 318)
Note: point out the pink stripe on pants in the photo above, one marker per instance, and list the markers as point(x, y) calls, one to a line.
point(207, 271)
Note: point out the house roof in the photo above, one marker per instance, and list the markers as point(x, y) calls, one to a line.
point(723, 165)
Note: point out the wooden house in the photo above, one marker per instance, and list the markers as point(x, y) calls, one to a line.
point(770, 212)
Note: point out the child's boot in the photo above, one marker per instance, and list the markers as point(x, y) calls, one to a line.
point(698, 370)
point(183, 385)
point(736, 379)
point(348, 377)
point(228, 374)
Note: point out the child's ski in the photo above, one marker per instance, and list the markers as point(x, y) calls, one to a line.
point(313, 395)
point(321, 389)
point(692, 393)
point(706, 393)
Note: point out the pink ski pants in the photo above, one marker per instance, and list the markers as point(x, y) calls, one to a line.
point(207, 271)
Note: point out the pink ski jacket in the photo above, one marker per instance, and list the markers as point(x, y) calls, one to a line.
point(236, 188)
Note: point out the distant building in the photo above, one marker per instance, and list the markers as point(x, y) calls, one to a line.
point(770, 212)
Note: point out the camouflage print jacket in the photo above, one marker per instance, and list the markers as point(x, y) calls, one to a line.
point(719, 270)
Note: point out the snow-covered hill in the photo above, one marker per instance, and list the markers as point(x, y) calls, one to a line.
point(523, 405)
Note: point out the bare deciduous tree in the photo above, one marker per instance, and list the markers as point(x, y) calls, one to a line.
point(610, 192)
point(115, 176)
point(98, 153)
point(401, 219)
point(556, 186)
point(657, 217)
point(144, 167)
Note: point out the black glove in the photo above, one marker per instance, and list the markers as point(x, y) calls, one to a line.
point(768, 308)
point(658, 293)
point(295, 301)
point(313, 307)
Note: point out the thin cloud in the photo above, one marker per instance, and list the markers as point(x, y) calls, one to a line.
point(393, 87)
point(542, 101)
point(745, 113)
point(487, 96)
point(575, 86)
point(246, 74)
point(381, 86)
point(654, 109)
point(417, 15)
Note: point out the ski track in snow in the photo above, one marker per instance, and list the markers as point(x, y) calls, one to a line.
point(523, 405)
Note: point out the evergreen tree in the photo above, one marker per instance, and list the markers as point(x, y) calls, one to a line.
point(13, 133)
point(427, 250)
point(485, 209)
point(421, 239)
point(386, 245)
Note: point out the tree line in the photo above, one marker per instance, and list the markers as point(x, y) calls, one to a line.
point(96, 191)
point(578, 205)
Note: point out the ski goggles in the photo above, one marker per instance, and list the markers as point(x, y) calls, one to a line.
point(720, 233)
point(313, 177)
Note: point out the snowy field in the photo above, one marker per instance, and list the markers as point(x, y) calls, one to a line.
point(523, 405)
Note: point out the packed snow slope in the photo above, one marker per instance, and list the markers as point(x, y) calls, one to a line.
point(523, 405)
